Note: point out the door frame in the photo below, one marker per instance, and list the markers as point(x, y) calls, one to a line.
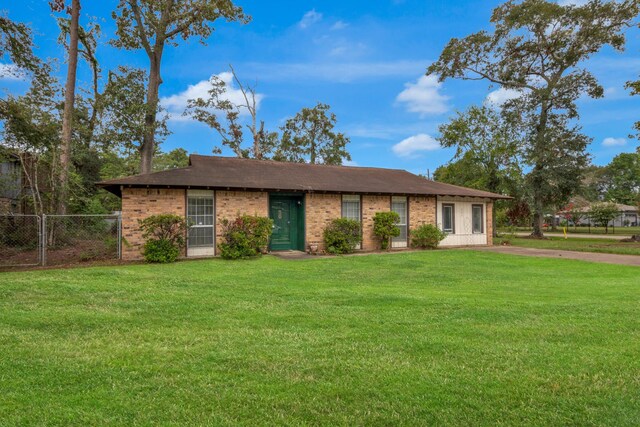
point(301, 218)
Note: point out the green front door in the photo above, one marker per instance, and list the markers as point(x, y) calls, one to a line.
point(286, 213)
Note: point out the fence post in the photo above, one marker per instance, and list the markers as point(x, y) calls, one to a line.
point(120, 236)
point(43, 240)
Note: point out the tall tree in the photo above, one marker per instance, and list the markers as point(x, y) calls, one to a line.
point(485, 138)
point(309, 137)
point(69, 98)
point(151, 25)
point(223, 115)
point(486, 155)
point(16, 44)
point(635, 90)
point(122, 124)
point(622, 177)
point(31, 131)
point(536, 49)
point(88, 36)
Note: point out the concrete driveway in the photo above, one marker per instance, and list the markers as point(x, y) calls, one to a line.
point(580, 235)
point(552, 253)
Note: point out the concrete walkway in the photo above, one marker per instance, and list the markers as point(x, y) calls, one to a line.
point(292, 255)
point(552, 253)
point(579, 235)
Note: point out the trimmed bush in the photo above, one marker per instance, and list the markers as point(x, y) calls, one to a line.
point(342, 236)
point(384, 227)
point(245, 237)
point(160, 251)
point(165, 236)
point(427, 236)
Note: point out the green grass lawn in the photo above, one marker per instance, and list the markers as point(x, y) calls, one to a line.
point(444, 337)
point(607, 246)
point(622, 231)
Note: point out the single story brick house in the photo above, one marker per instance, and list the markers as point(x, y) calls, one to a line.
point(301, 199)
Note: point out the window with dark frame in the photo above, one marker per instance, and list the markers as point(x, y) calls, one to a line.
point(448, 218)
point(477, 219)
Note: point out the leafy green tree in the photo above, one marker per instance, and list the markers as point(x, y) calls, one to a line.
point(31, 131)
point(594, 183)
point(309, 137)
point(152, 25)
point(210, 110)
point(536, 49)
point(486, 155)
point(603, 213)
point(123, 126)
point(623, 178)
point(177, 158)
point(16, 47)
point(485, 139)
point(635, 90)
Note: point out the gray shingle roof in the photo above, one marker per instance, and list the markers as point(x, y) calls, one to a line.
point(240, 174)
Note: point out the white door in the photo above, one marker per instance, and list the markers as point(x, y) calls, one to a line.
point(200, 241)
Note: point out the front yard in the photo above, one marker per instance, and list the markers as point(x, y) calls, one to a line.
point(442, 337)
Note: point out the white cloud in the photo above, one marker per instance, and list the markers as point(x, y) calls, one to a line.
point(350, 163)
point(339, 25)
point(498, 97)
point(614, 142)
point(415, 144)
point(310, 18)
point(176, 104)
point(10, 72)
point(423, 97)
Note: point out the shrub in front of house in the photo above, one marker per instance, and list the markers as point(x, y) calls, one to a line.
point(427, 236)
point(341, 236)
point(245, 236)
point(165, 237)
point(385, 227)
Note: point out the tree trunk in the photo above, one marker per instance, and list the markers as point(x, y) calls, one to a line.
point(67, 117)
point(538, 214)
point(147, 149)
point(538, 223)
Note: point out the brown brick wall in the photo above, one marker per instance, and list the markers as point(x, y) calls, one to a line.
point(230, 204)
point(320, 209)
point(371, 205)
point(422, 210)
point(490, 223)
point(139, 203)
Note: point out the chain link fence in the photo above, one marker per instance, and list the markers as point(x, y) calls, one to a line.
point(20, 240)
point(58, 239)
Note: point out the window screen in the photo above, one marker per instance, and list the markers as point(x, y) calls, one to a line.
point(399, 206)
point(200, 217)
point(351, 207)
point(448, 219)
point(477, 220)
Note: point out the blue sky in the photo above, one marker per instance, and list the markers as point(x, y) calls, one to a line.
point(364, 58)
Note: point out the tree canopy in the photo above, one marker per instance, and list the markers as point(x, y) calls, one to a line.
point(309, 137)
point(538, 49)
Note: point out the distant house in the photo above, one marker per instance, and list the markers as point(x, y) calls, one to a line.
point(11, 184)
point(628, 216)
point(301, 199)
